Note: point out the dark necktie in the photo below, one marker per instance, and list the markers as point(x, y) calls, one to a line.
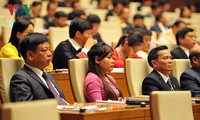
point(170, 85)
point(60, 100)
point(79, 50)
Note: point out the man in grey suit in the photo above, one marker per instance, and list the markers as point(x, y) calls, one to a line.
point(159, 79)
point(29, 83)
point(190, 79)
point(185, 39)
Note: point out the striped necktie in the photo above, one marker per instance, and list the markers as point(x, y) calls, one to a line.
point(60, 100)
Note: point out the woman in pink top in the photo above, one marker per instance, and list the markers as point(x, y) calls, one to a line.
point(98, 84)
point(126, 47)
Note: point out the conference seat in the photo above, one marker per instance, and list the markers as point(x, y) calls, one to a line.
point(78, 69)
point(8, 67)
point(136, 70)
point(171, 105)
point(179, 66)
point(31, 110)
point(57, 35)
point(169, 46)
point(110, 32)
point(100, 12)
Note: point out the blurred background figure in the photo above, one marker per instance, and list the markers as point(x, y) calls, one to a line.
point(117, 8)
point(169, 37)
point(124, 19)
point(95, 21)
point(60, 19)
point(165, 5)
point(49, 18)
point(185, 12)
point(104, 4)
point(138, 21)
point(80, 14)
point(36, 9)
point(143, 53)
point(161, 23)
point(185, 39)
point(76, 6)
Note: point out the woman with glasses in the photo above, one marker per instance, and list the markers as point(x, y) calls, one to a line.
point(126, 47)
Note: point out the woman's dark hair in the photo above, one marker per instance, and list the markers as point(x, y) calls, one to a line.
point(100, 51)
point(19, 26)
point(134, 38)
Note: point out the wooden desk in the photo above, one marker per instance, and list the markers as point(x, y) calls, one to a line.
point(123, 114)
point(63, 80)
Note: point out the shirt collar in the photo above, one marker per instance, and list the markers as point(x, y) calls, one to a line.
point(165, 78)
point(187, 52)
point(36, 70)
point(162, 27)
point(74, 44)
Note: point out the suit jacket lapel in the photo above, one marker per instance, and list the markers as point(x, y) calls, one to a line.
point(163, 84)
point(33, 75)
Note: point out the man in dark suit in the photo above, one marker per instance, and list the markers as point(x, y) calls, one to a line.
point(49, 18)
point(190, 79)
point(161, 23)
point(185, 39)
point(159, 79)
point(80, 42)
point(117, 8)
point(29, 83)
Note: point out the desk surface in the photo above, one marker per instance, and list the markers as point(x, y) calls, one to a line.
point(63, 80)
point(118, 114)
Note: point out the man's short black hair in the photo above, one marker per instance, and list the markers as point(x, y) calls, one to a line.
point(30, 42)
point(92, 18)
point(181, 34)
point(36, 3)
point(138, 16)
point(74, 2)
point(178, 22)
point(153, 54)
point(59, 14)
point(79, 24)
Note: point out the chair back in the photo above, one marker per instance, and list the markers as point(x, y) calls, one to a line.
point(136, 70)
point(179, 66)
point(171, 105)
point(54, 32)
point(8, 67)
point(78, 69)
point(31, 110)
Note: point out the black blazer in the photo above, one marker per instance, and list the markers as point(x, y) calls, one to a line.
point(25, 85)
point(156, 28)
point(178, 53)
point(190, 80)
point(64, 52)
point(154, 82)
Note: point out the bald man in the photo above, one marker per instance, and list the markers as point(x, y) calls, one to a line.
point(190, 79)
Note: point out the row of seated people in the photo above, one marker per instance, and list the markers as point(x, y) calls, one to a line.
point(66, 50)
point(137, 40)
point(59, 18)
point(31, 82)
